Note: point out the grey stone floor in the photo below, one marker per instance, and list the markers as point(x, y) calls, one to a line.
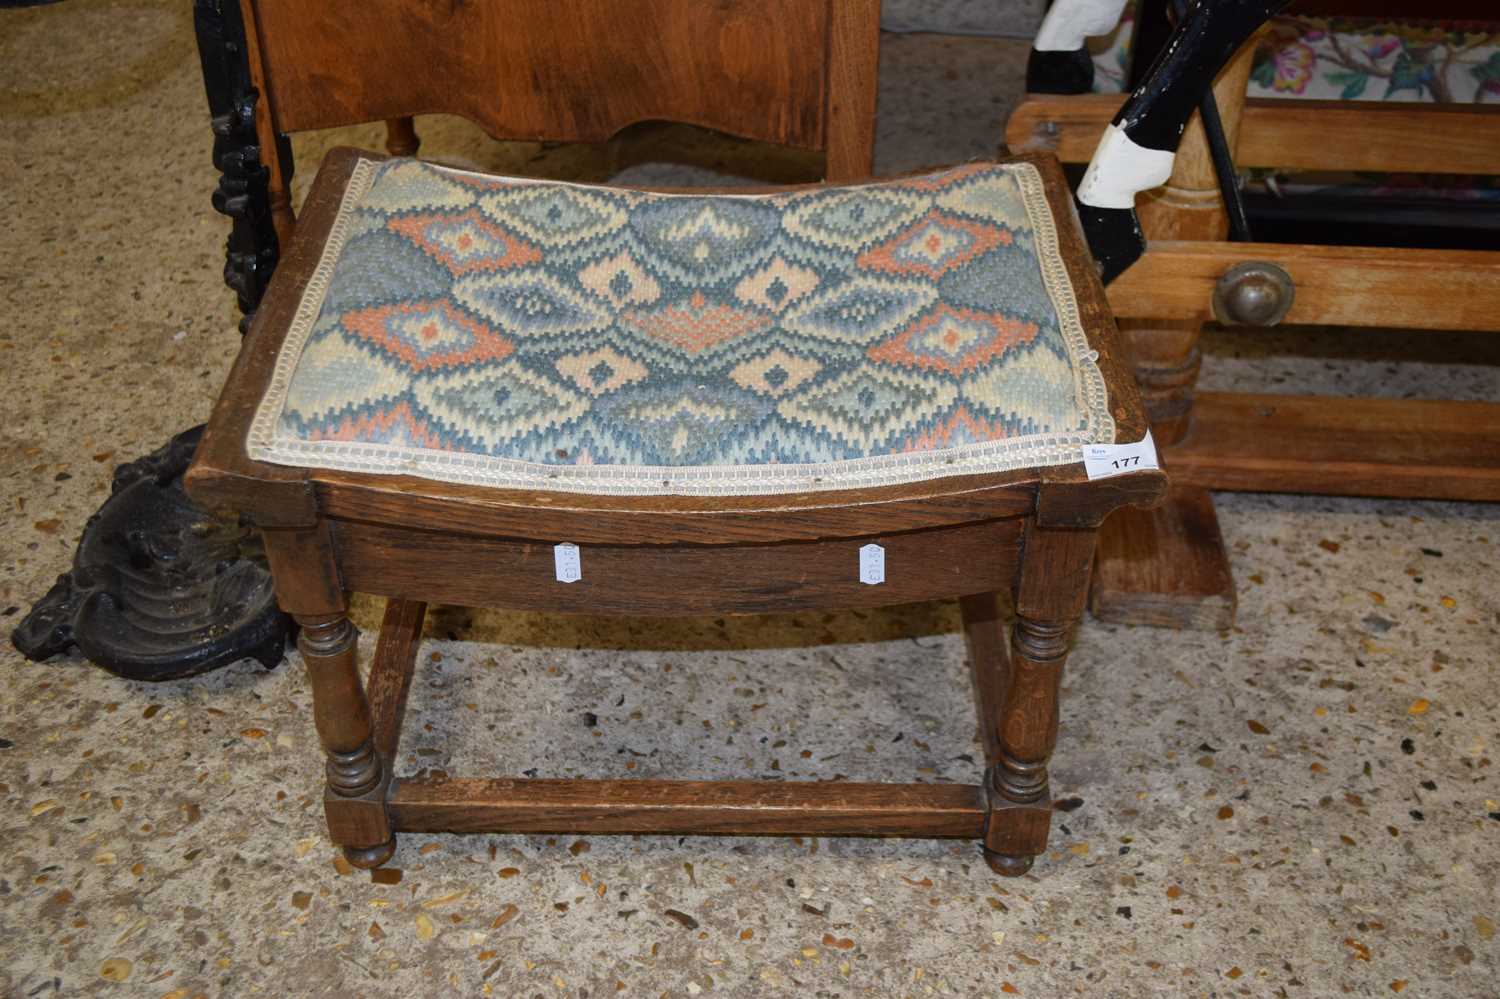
point(1303, 806)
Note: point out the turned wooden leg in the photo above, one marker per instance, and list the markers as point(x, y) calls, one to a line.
point(304, 567)
point(357, 781)
point(1049, 603)
point(1166, 359)
point(1020, 800)
point(1188, 207)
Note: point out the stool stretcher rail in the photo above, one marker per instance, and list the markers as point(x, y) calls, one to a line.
point(723, 807)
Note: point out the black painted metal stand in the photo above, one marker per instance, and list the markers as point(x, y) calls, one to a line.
point(251, 252)
point(160, 589)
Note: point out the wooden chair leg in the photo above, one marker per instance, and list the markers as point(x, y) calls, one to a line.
point(357, 781)
point(401, 137)
point(985, 638)
point(391, 672)
point(1016, 782)
point(308, 587)
point(1049, 602)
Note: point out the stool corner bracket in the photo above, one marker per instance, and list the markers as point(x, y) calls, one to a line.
point(1074, 501)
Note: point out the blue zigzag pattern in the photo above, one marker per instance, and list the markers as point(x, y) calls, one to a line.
point(515, 332)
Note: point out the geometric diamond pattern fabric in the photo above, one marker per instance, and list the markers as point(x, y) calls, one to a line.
point(530, 334)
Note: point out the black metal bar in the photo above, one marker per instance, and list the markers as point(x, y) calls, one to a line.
point(1219, 152)
point(1224, 171)
point(244, 183)
point(1156, 113)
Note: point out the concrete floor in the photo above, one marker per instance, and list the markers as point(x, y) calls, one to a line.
point(1303, 806)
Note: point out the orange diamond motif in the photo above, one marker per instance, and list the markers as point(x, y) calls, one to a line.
point(934, 245)
point(954, 341)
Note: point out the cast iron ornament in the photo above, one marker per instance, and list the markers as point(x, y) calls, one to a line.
point(159, 590)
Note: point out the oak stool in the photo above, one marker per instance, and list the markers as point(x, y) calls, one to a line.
point(535, 395)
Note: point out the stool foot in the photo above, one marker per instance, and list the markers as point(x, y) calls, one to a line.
point(1008, 865)
point(371, 857)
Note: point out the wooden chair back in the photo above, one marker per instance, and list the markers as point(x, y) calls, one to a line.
point(799, 73)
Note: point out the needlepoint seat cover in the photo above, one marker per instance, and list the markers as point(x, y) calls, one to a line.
point(541, 335)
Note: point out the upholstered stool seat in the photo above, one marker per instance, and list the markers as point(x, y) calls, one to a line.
point(529, 334)
point(537, 396)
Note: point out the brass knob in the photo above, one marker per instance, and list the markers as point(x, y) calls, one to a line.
point(1254, 293)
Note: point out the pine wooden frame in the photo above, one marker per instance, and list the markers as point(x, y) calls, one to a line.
point(1417, 448)
point(1168, 566)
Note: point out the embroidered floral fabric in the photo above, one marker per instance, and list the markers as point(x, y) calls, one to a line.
point(544, 335)
point(1347, 59)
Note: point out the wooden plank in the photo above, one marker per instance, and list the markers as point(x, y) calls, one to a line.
point(771, 808)
point(675, 581)
point(1335, 285)
point(1341, 447)
point(1165, 567)
point(580, 73)
point(1066, 125)
point(221, 476)
point(391, 671)
point(1346, 135)
point(1290, 134)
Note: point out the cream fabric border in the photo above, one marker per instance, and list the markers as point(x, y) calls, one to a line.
point(1037, 450)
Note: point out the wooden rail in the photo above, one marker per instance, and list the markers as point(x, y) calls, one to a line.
point(1291, 134)
point(1336, 285)
point(391, 671)
point(1340, 447)
point(738, 807)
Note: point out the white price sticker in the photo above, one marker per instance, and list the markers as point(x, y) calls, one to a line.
point(872, 565)
point(569, 568)
point(1101, 461)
